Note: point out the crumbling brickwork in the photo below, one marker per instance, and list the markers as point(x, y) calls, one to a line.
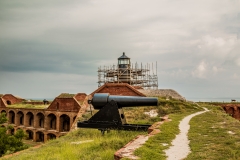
point(60, 116)
point(64, 104)
point(80, 97)
point(44, 124)
point(232, 109)
point(3, 103)
point(11, 99)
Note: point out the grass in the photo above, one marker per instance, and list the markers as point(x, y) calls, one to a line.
point(214, 135)
point(102, 147)
point(21, 105)
point(30, 143)
point(154, 148)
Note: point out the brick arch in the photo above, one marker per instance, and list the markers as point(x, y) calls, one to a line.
point(29, 134)
point(51, 136)
point(12, 131)
point(39, 136)
point(40, 120)
point(11, 117)
point(51, 121)
point(20, 118)
point(64, 123)
point(44, 121)
point(29, 119)
point(3, 111)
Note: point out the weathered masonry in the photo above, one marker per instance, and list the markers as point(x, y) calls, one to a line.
point(60, 116)
point(10, 99)
point(44, 124)
point(232, 109)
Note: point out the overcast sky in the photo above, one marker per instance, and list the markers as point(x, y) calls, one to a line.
point(52, 47)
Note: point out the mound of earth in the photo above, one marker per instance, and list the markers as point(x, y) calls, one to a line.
point(168, 93)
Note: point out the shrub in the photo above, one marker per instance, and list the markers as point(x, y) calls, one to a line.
point(10, 143)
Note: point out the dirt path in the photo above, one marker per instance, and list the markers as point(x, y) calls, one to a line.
point(180, 145)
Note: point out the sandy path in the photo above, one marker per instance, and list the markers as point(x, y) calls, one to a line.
point(180, 148)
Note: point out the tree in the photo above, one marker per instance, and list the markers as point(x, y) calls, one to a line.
point(3, 118)
point(10, 143)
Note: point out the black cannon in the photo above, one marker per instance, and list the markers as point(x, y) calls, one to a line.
point(110, 114)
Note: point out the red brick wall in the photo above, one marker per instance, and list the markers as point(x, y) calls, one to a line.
point(118, 90)
point(80, 96)
point(233, 110)
point(64, 104)
point(12, 99)
point(2, 105)
point(121, 89)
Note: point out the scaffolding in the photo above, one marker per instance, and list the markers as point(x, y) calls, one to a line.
point(134, 75)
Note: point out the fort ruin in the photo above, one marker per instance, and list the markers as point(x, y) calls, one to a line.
point(44, 124)
point(61, 115)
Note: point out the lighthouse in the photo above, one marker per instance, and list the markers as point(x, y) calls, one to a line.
point(124, 72)
point(124, 67)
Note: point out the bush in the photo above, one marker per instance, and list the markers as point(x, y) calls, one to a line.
point(10, 143)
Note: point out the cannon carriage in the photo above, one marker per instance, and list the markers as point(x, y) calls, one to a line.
point(111, 115)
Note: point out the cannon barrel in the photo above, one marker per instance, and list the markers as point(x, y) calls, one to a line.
point(101, 99)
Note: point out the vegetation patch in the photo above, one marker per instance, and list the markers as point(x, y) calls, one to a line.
point(10, 143)
point(22, 105)
point(177, 110)
point(102, 147)
point(155, 146)
point(214, 135)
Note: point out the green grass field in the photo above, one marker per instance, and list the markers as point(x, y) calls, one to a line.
point(100, 147)
point(213, 135)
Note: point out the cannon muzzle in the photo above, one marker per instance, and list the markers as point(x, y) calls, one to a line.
point(101, 99)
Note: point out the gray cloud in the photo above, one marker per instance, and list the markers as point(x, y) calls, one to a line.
point(196, 44)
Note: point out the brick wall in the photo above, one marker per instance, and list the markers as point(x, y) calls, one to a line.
point(80, 97)
point(2, 103)
point(64, 104)
point(233, 110)
point(12, 99)
point(118, 90)
point(122, 89)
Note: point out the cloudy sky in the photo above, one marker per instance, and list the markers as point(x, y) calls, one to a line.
point(51, 47)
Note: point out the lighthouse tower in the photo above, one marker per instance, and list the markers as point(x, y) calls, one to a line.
point(124, 72)
point(124, 69)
